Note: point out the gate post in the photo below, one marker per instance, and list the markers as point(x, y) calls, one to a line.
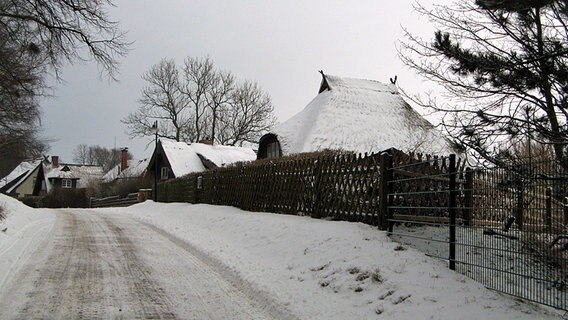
point(565, 205)
point(548, 218)
point(519, 214)
point(452, 211)
point(384, 190)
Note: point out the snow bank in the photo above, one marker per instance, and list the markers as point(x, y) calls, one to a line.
point(332, 270)
point(20, 234)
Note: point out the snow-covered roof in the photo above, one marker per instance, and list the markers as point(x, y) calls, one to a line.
point(84, 173)
point(21, 173)
point(136, 168)
point(184, 158)
point(361, 116)
point(223, 155)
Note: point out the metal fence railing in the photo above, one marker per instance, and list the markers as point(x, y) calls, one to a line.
point(505, 227)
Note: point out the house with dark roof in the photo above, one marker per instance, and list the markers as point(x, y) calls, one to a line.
point(176, 159)
point(354, 115)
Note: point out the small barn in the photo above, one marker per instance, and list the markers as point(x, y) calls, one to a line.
point(354, 115)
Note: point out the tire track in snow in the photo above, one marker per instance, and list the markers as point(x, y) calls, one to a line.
point(93, 266)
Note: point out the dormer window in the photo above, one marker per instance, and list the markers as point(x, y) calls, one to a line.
point(269, 147)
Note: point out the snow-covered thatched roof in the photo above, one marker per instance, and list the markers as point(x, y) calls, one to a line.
point(360, 116)
point(84, 174)
point(197, 157)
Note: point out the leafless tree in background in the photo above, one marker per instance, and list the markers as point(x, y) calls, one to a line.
point(161, 100)
point(82, 155)
point(198, 75)
point(250, 115)
point(107, 158)
point(201, 103)
point(218, 99)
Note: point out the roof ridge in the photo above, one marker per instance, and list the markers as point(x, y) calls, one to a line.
point(364, 84)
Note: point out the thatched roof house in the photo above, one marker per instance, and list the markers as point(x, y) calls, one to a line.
point(354, 115)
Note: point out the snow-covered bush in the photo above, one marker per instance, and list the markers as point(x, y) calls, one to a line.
point(2, 216)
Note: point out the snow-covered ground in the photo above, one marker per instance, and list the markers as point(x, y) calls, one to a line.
point(506, 264)
point(20, 234)
point(317, 269)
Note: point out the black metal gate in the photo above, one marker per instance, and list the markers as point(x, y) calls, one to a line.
point(505, 227)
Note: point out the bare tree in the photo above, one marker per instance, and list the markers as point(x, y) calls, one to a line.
point(161, 100)
point(218, 98)
point(250, 115)
point(503, 68)
point(65, 31)
point(81, 154)
point(202, 102)
point(198, 75)
point(107, 158)
point(38, 37)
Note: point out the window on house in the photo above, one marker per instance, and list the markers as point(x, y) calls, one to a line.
point(273, 150)
point(164, 173)
point(199, 182)
point(66, 183)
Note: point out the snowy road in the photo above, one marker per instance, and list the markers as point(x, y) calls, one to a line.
point(110, 266)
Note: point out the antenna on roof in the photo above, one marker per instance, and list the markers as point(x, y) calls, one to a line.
point(393, 81)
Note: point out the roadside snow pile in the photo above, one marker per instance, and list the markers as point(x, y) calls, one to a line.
point(17, 215)
point(20, 233)
point(331, 270)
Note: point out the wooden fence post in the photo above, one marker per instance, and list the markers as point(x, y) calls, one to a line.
point(316, 189)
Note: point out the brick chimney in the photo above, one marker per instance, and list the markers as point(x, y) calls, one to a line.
point(55, 161)
point(123, 159)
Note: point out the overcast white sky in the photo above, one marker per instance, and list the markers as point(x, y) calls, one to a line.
point(279, 44)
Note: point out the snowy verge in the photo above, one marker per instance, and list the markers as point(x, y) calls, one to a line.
point(20, 234)
point(331, 270)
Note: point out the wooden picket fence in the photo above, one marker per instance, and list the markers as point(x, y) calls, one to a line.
point(338, 186)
